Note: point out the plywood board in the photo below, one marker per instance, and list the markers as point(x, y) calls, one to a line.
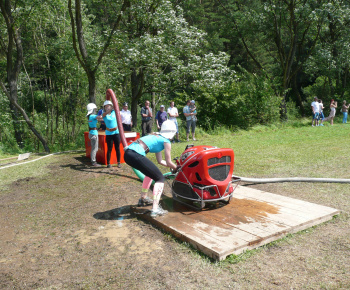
point(252, 219)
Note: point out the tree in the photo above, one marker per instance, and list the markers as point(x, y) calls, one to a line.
point(163, 53)
point(330, 63)
point(273, 38)
point(14, 59)
point(87, 59)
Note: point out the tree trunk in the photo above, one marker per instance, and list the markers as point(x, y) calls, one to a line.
point(83, 57)
point(298, 97)
point(92, 87)
point(137, 84)
point(283, 108)
point(31, 127)
point(16, 125)
point(17, 108)
point(14, 63)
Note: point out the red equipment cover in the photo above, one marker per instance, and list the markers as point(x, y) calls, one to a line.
point(205, 167)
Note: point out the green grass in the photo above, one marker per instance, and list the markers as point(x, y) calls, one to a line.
point(284, 151)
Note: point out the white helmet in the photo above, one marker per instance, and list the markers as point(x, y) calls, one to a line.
point(168, 129)
point(90, 108)
point(107, 103)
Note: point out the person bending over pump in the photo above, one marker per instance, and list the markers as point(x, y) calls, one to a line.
point(135, 156)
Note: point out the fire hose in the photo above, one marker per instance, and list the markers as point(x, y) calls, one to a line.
point(292, 179)
point(111, 96)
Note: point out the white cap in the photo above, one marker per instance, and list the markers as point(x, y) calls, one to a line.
point(168, 129)
point(162, 106)
point(90, 108)
point(192, 101)
point(107, 103)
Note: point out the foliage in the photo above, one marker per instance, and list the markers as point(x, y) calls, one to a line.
point(242, 61)
point(246, 100)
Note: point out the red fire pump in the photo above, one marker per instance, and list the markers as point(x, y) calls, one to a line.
point(205, 175)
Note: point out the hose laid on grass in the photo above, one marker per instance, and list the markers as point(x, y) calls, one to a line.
point(292, 179)
point(244, 179)
point(57, 153)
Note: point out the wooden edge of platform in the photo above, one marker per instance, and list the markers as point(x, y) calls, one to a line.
point(264, 241)
point(140, 212)
point(215, 253)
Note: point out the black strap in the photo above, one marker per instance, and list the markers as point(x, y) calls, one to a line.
point(143, 144)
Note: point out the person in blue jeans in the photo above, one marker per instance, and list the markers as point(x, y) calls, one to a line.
point(190, 113)
point(93, 134)
point(112, 132)
point(161, 117)
point(135, 156)
point(344, 110)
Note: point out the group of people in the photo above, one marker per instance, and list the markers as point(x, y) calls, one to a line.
point(318, 116)
point(172, 113)
point(135, 153)
point(108, 120)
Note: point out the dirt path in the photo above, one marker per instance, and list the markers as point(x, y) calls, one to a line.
point(72, 228)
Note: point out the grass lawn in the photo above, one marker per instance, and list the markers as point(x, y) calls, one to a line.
point(49, 205)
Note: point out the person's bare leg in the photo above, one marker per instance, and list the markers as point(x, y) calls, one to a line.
point(157, 192)
point(145, 186)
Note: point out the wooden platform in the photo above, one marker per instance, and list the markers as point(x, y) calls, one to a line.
point(252, 219)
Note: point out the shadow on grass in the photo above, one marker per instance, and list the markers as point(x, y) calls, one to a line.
point(85, 166)
point(120, 213)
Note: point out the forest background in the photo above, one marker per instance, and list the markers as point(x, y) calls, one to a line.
point(244, 62)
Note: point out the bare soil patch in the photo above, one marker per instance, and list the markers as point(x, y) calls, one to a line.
point(72, 228)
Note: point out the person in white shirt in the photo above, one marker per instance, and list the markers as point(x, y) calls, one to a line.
point(173, 114)
point(126, 117)
point(321, 115)
point(315, 106)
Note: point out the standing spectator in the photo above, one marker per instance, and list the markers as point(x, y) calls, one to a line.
point(344, 110)
point(193, 108)
point(190, 120)
point(315, 112)
point(146, 114)
point(173, 114)
point(112, 132)
point(161, 116)
point(126, 117)
point(321, 115)
point(333, 106)
point(93, 134)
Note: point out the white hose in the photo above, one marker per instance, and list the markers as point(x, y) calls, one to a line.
point(244, 179)
point(41, 158)
point(292, 179)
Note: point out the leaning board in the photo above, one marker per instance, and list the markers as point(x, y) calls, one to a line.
point(253, 218)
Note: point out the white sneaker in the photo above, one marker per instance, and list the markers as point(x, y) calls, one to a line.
point(158, 212)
